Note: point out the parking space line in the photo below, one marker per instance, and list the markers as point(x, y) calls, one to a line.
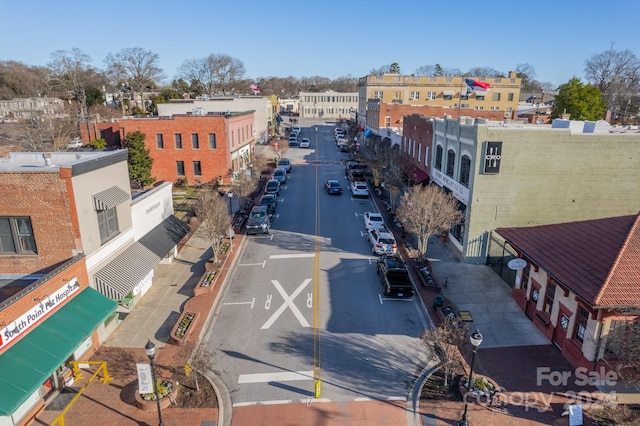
point(291, 256)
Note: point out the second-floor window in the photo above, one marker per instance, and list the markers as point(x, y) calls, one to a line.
point(439, 152)
point(178, 138)
point(107, 224)
point(377, 94)
point(159, 141)
point(212, 141)
point(431, 96)
point(451, 161)
point(465, 169)
point(387, 122)
point(414, 96)
point(195, 142)
point(16, 236)
point(495, 96)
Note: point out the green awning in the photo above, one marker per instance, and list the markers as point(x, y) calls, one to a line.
point(29, 362)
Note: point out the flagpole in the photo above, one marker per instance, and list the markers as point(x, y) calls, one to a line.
point(460, 102)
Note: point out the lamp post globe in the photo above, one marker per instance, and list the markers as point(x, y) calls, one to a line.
point(476, 341)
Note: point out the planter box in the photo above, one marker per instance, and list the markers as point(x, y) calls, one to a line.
point(487, 398)
point(206, 282)
point(183, 327)
point(151, 406)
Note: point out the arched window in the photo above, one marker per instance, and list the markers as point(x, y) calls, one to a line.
point(439, 157)
point(451, 161)
point(465, 170)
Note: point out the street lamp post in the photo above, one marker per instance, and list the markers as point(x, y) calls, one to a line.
point(229, 197)
point(150, 348)
point(476, 340)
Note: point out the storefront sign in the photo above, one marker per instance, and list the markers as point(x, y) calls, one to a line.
point(492, 158)
point(458, 190)
point(46, 305)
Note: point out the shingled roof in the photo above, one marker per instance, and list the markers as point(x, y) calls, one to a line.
point(598, 259)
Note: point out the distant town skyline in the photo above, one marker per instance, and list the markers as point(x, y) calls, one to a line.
point(329, 39)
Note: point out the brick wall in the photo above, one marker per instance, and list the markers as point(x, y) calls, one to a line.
point(213, 162)
point(42, 197)
point(75, 269)
point(397, 112)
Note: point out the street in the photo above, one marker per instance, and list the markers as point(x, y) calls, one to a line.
point(302, 316)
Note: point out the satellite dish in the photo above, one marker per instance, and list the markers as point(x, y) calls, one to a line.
point(517, 264)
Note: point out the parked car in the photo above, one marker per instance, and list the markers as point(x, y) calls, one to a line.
point(359, 189)
point(382, 242)
point(270, 201)
point(297, 129)
point(353, 165)
point(333, 187)
point(272, 187)
point(293, 140)
point(259, 220)
point(280, 174)
point(394, 277)
point(74, 144)
point(304, 143)
point(373, 220)
point(285, 163)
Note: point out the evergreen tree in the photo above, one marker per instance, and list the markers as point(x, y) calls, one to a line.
point(582, 101)
point(140, 161)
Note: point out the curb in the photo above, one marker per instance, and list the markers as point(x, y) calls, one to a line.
point(219, 387)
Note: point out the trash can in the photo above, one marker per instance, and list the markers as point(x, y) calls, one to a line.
point(438, 301)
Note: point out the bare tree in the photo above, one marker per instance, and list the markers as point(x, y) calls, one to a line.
point(134, 67)
point(623, 350)
point(484, 72)
point(198, 360)
point(215, 73)
point(426, 211)
point(44, 132)
point(215, 221)
point(20, 80)
point(616, 74)
point(68, 74)
point(445, 341)
point(426, 70)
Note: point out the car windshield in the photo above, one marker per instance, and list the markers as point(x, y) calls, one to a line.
point(375, 218)
point(257, 215)
point(386, 241)
point(266, 201)
point(334, 184)
point(272, 185)
point(284, 162)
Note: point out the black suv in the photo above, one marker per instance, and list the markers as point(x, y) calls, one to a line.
point(394, 277)
point(259, 221)
point(270, 201)
point(273, 187)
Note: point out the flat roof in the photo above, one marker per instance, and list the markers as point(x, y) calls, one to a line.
point(51, 161)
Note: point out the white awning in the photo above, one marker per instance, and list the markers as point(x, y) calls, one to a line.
point(123, 273)
point(109, 198)
point(448, 92)
point(481, 93)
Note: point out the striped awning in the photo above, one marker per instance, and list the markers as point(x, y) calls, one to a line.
point(123, 273)
point(109, 198)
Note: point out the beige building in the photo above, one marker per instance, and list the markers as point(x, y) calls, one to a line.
point(22, 108)
point(442, 91)
point(328, 105)
point(526, 175)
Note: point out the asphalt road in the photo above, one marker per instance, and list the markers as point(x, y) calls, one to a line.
point(303, 316)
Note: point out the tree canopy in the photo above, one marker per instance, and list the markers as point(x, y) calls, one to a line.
point(140, 160)
point(582, 101)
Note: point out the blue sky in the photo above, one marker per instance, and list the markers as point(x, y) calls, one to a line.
point(328, 38)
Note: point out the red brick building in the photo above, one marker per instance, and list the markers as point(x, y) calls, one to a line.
point(416, 145)
point(198, 148)
point(383, 115)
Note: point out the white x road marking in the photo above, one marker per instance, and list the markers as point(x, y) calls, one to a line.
point(288, 302)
